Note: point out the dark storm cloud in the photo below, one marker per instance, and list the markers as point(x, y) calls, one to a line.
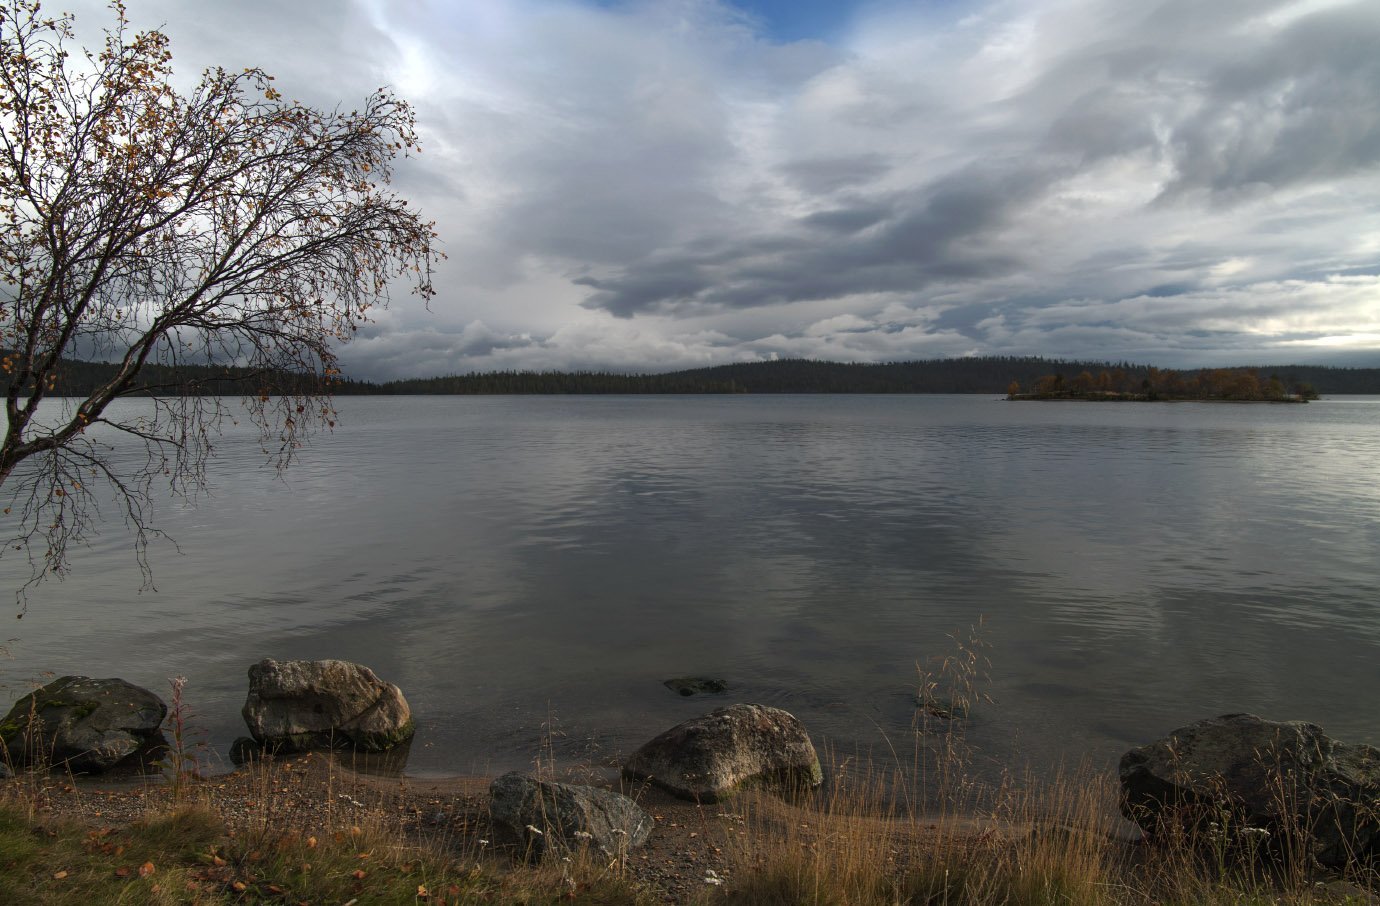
point(940, 234)
point(848, 220)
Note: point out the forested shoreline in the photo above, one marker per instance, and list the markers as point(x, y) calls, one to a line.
point(986, 374)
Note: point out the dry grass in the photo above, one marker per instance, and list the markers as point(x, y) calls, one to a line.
point(923, 831)
point(293, 831)
point(1030, 843)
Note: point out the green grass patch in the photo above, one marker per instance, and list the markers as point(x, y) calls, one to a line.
point(188, 857)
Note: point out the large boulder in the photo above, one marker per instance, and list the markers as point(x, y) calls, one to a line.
point(710, 757)
point(546, 817)
point(1279, 780)
point(297, 706)
point(83, 724)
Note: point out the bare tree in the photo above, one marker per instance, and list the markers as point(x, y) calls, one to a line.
point(141, 226)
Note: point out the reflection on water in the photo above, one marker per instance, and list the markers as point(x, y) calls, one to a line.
point(535, 567)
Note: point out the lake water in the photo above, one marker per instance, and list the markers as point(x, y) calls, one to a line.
point(531, 568)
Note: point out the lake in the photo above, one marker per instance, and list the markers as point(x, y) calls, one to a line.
point(530, 569)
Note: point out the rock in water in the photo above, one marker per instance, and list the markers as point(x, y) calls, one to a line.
point(83, 724)
point(301, 705)
point(1241, 771)
point(555, 817)
point(709, 757)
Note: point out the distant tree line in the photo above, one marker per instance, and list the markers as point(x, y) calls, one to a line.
point(979, 374)
point(983, 374)
point(553, 382)
point(77, 378)
point(989, 374)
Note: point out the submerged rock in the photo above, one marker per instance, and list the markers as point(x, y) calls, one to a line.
point(1278, 780)
point(83, 724)
point(710, 757)
point(546, 817)
point(943, 707)
point(244, 751)
point(303, 705)
point(696, 685)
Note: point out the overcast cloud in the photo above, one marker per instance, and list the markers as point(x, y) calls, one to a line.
point(663, 184)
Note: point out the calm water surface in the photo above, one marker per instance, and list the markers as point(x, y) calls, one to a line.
point(519, 564)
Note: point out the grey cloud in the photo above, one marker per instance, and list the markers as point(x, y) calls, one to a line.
point(391, 349)
point(1102, 102)
point(1304, 106)
point(1107, 121)
point(663, 284)
point(654, 184)
point(1184, 328)
point(934, 236)
point(1192, 20)
point(320, 53)
point(821, 176)
point(848, 220)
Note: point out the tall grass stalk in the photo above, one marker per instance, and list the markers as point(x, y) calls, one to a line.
point(186, 749)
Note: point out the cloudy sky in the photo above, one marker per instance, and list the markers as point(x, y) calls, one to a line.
point(655, 184)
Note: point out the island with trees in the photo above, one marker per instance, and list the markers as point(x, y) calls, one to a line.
point(1237, 385)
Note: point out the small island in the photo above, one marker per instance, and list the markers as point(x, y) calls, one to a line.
point(1236, 385)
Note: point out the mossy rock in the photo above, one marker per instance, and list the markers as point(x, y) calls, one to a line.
point(385, 740)
point(83, 724)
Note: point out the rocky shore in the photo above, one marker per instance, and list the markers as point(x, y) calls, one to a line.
point(675, 817)
point(665, 821)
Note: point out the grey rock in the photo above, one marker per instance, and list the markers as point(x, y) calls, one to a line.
point(696, 685)
point(83, 724)
point(1279, 779)
point(6, 773)
point(710, 757)
point(1346, 893)
point(545, 817)
point(298, 706)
